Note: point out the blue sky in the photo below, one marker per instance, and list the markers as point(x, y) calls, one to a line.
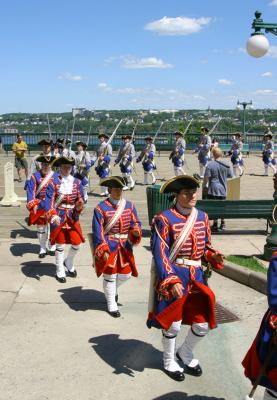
point(122, 54)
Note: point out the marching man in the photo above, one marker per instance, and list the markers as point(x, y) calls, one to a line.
point(236, 154)
point(45, 151)
point(125, 158)
point(268, 154)
point(147, 157)
point(82, 166)
point(67, 152)
point(204, 150)
point(104, 154)
point(263, 352)
point(115, 229)
point(181, 241)
point(36, 188)
point(177, 155)
point(64, 202)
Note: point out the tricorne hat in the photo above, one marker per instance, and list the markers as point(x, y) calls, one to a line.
point(104, 135)
point(148, 138)
point(63, 160)
point(177, 183)
point(45, 159)
point(179, 133)
point(80, 143)
point(45, 141)
point(114, 182)
point(126, 137)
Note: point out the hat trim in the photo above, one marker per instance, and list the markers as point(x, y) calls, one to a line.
point(175, 178)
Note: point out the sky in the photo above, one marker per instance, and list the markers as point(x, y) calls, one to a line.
point(122, 54)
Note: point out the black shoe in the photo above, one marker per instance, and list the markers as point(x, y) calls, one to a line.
point(114, 314)
point(51, 253)
point(42, 255)
point(176, 375)
point(214, 228)
point(61, 280)
point(72, 274)
point(222, 227)
point(194, 371)
point(132, 187)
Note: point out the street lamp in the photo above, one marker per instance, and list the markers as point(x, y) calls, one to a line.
point(258, 45)
point(244, 104)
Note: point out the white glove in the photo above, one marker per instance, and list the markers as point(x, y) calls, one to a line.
point(55, 220)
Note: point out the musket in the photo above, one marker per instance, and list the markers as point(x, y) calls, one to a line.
point(49, 129)
point(87, 143)
point(187, 128)
point(158, 131)
point(110, 140)
point(72, 133)
point(133, 133)
point(173, 151)
point(215, 125)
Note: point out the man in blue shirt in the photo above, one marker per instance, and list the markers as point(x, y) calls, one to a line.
point(215, 181)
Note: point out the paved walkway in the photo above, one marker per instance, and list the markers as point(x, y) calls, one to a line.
point(58, 342)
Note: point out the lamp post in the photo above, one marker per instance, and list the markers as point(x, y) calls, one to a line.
point(244, 104)
point(271, 240)
point(258, 45)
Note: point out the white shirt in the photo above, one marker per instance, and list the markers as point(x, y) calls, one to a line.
point(67, 184)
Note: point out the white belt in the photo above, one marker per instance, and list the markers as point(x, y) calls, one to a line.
point(119, 235)
point(184, 261)
point(67, 206)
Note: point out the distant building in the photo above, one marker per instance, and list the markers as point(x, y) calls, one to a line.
point(9, 130)
point(78, 111)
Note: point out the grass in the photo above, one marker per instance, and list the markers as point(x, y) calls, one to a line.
point(248, 262)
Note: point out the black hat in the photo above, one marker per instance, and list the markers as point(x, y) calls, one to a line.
point(104, 135)
point(203, 128)
point(45, 159)
point(178, 133)
point(238, 134)
point(45, 141)
point(63, 160)
point(80, 143)
point(114, 182)
point(67, 141)
point(268, 134)
point(148, 138)
point(60, 140)
point(126, 137)
point(176, 184)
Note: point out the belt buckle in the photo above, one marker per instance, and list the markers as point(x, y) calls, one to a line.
point(117, 235)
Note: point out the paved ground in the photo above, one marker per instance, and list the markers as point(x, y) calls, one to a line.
point(57, 341)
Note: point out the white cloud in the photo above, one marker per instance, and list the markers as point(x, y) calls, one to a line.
point(129, 90)
point(265, 92)
point(225, 82)
point(149, 62)
point(242, 49)
point(273, 3)
point(198, 97)
point(272, 52)
point(267, 74)
point(104, 86)
point(178, 26)
point(70, 77)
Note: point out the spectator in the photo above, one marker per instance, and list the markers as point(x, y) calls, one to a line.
point(215, 182)
point(19, 148)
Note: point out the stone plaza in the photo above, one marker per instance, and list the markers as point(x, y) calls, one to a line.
point(58, 341)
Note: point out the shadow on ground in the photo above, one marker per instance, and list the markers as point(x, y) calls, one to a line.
point(37, 269)
point(184, 396)
point(19, 249)
point(79, 299)
point(24, 231)
point(126, 356)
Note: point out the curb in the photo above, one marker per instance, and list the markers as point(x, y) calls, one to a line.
point(238, 273)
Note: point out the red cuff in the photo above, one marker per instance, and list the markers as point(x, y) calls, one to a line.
point(273, 321)
point(165, 285)
point(101, 249)
point(49, 214)
point(135, 240)
point(209, 257)
point(32, 204)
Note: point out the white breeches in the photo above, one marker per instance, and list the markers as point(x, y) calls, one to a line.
point(179, 171)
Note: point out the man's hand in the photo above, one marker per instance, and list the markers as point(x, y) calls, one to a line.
point(35, 209)
point(101, 158)
point(55, 220)
point(177, 290)
point(136, 234)
point(219, 258)
point(106, 256)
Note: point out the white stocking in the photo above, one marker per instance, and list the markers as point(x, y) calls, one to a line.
point(70, 257)
point(109, 286)
point(195, 334)
point(42, 238)
point(122, 278)
point(168, 341)
point(272, 167)
point(131, 181)
point(202, 169)
point(153, 177)
point(59, 254)
point(145, 178)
